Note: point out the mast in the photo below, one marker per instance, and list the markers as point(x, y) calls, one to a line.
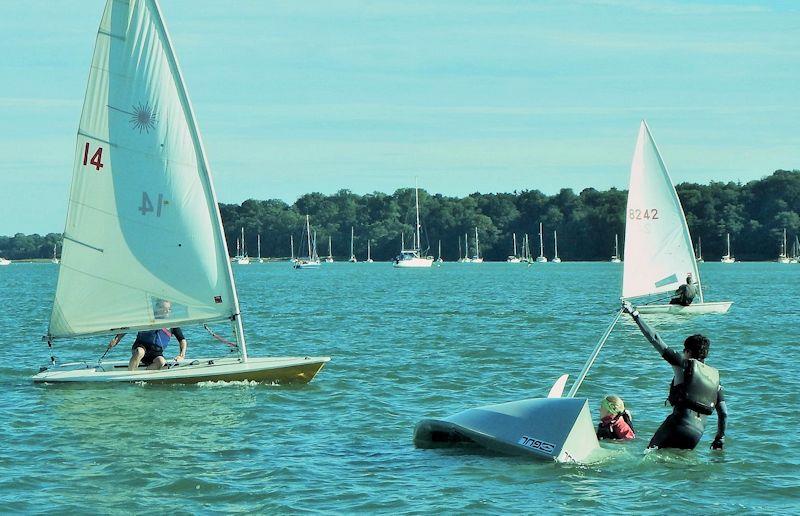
point(417, 247)
point(440, 250)
point(259, 245)
point(466, 246)
point(244, 253)
point(700, 247)
point(459, 247)
point(541, 242)
point(555, 243)
point(330, 255)
point(514, 236)
point(477, 245)
point(315, 256)
point(291, 244)
point(352, 237)
point(728, 236)
point(402, 241)
point(308, 235)
point(616, 245)
point(369, 255)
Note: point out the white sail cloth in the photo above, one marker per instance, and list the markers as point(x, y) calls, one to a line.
point(142, 223)
point(658, 247)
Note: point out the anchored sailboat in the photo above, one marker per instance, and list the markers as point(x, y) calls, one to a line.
point(541, 258)
point(728, 257)
point(658, 248)
point(439, 259)
point(476, 258)
point(700, 250)
point(556, 259)
point(311, 260)
point(242, 258)
point(369, 251)
point(513, 258)
point(352, 241)
point(466, 258)
point(783, 257)
point(260, 259)
point(54, 259)
point(329, 258)
point(615, 258)
point(412, 258)
point(143, 228)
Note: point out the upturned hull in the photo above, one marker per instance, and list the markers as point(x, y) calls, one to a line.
point(559, 429)
point(719, 307)
point(278, 370)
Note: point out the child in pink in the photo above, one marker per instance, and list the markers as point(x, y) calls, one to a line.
point(615, 421)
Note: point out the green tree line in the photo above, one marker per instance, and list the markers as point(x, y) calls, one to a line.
point(754, 214)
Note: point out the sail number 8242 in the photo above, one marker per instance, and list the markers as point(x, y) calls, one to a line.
point(638, 214)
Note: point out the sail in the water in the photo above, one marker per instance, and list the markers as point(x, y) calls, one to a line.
point(658, 248)
point(142, 224)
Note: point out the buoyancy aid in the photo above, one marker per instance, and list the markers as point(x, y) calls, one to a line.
point(699, 389)
point(609, 427)
point(155, 337)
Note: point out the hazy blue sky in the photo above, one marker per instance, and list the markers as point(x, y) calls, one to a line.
point(294, 97)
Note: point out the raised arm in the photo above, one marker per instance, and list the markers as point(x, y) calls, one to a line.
point(722, 420)
point(667, 353)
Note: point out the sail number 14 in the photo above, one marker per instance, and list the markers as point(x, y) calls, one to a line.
point(637, 214)
point(96, 159)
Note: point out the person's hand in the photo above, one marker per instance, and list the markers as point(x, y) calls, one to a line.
point(627, 307)
point(718, 443)
point(179, 357)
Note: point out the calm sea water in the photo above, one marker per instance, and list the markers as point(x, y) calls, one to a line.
point(406, 344)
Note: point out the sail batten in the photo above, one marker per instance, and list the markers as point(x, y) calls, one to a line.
point(141, 194)
point(658, 248)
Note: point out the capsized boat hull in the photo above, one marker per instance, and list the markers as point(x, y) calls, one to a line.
point(279, 370)
point(719, 307)
point(559, 429)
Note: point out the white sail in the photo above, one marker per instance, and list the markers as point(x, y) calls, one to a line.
point(658, 247)
point(142, 222)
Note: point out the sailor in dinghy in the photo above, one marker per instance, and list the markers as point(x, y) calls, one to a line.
point(143, 221)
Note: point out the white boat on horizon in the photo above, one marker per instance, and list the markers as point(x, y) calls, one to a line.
point(241, 256)
point(412, 258)
point(476, 258)
point(144, 246)
point(728, 257)
point(615, 258)
point(784, 257)
point(514, 258)
point(353, 258)
point(329, 258)
point(4, 261)
point(311, 260)
point(659, 254)
point(541, 258)
point(556, 259)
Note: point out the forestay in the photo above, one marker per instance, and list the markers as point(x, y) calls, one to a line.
point(658, 247)
point(142, 223)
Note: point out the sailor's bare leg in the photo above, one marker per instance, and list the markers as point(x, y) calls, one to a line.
point(158, 363)
point(136, 357)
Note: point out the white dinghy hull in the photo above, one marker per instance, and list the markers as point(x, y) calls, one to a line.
point(719, 307)
point(277, 370)
point(557, 429)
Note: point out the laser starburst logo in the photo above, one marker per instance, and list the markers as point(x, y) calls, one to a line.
point(143, 117)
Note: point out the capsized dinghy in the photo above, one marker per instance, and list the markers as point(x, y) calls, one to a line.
point(658, 247)
point(558, 429)
point(144, 246)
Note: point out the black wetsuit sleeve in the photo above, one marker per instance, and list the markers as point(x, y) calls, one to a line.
point(667, 353)
point(722, 414)
point(178, 333)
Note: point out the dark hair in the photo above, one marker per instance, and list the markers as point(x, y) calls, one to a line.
point(697, 345)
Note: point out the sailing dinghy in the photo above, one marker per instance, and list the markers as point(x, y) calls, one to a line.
point(658, 248)
point(143, 225)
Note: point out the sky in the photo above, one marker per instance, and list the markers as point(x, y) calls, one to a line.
point(468, 96)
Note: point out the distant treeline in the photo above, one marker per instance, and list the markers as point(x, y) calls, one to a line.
point(754, 214)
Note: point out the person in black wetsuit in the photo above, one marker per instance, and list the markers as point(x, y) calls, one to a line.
point(685, 294)
point(695, 392)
